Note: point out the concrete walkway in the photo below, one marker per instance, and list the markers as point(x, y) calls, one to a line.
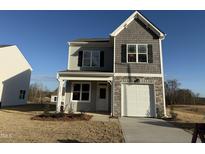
point(148, 130)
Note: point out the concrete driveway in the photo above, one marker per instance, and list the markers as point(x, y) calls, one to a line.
point(150, 130)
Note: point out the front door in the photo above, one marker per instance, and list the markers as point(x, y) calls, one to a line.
point(102, 97)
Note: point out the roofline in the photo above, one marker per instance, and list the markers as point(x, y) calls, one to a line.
point(84, 42)
point(29, 65)
point(24, 58)
point(87, 73)
point(77, 43)
point(7, 45)
point(130, 19)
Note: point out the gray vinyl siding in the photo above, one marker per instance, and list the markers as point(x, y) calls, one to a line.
point(108, 56)
point(83, 106)
point(136, 33)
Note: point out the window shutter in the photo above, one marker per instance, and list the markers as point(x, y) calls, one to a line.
point(101, 58)
point(123, 53)
point(150, 54)
point(80, 58)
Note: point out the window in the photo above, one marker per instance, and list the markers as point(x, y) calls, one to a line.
point(22, 94)
point(137, 53)
point(132, 54)
point(91, 58)
point(142, 53)
point(81, 92)
point(96, 59)
point(55, 99)
point(76, 91)
point(102, 93)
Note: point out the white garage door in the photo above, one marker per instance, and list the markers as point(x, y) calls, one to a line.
point(138, 100)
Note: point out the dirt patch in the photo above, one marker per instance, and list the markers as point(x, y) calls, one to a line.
point(16, 126)
point(62, 117)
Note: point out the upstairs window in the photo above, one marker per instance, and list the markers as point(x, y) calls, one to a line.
point(142, 53)
point(91, 58)
point(137, 53)
point(132, 53)
point(22, 94)
point(87, 58)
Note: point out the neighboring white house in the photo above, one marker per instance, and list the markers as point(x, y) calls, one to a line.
point(15, 73)
point(54, 98)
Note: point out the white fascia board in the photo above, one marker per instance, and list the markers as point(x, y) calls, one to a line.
point(114, 54)
point(29, 66)
point(86, 78)
point(94, 74)
point(70, 43)
point(138, 74)
point(22, 56)
point(130, 19)
point(68, 65)
point(162, 35)
point(125, 23)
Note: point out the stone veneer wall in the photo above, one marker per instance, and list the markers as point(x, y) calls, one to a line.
point(157, 81)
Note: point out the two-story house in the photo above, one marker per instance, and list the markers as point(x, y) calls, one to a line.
point(121, 75)
point(15, 74)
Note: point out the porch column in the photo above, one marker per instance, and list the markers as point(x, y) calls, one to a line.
point(60, 93)
point(112, 97)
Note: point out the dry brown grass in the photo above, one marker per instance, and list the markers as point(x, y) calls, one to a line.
point(187, 115)
point(16, 126)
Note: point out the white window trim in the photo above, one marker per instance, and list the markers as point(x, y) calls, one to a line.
point(137, 53)
point(131, 53)
point(76, 101)
point(91, 51)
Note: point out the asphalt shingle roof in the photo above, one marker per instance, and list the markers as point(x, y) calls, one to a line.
point(91, 40)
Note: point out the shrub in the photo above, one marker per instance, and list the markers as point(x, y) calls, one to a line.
point(46, 108)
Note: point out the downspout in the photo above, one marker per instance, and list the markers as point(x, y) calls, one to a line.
point(68, 65)
point(113, 81)
point(162, 72)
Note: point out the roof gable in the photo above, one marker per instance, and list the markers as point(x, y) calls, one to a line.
point(12, 62)
point(139, 16)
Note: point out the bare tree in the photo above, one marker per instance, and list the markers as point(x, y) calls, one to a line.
point(176, 95)
point(38, 92)
point(171, 87)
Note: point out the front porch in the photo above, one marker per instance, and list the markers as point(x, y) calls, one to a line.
point(85, 92)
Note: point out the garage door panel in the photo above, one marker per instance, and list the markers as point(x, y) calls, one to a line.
point(138, 100)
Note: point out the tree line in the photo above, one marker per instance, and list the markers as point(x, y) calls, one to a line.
point(176, 95)
point(38, 93)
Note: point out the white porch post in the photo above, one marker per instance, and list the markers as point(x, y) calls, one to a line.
point(112, 92)
point(60, 93)
point(112, 97)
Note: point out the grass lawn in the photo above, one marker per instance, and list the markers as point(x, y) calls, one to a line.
point(187, 115)
point(16, 126)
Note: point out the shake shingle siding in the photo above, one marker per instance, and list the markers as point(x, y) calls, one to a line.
point(137, 33)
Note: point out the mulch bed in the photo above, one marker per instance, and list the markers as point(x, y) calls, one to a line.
point(62, 117)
